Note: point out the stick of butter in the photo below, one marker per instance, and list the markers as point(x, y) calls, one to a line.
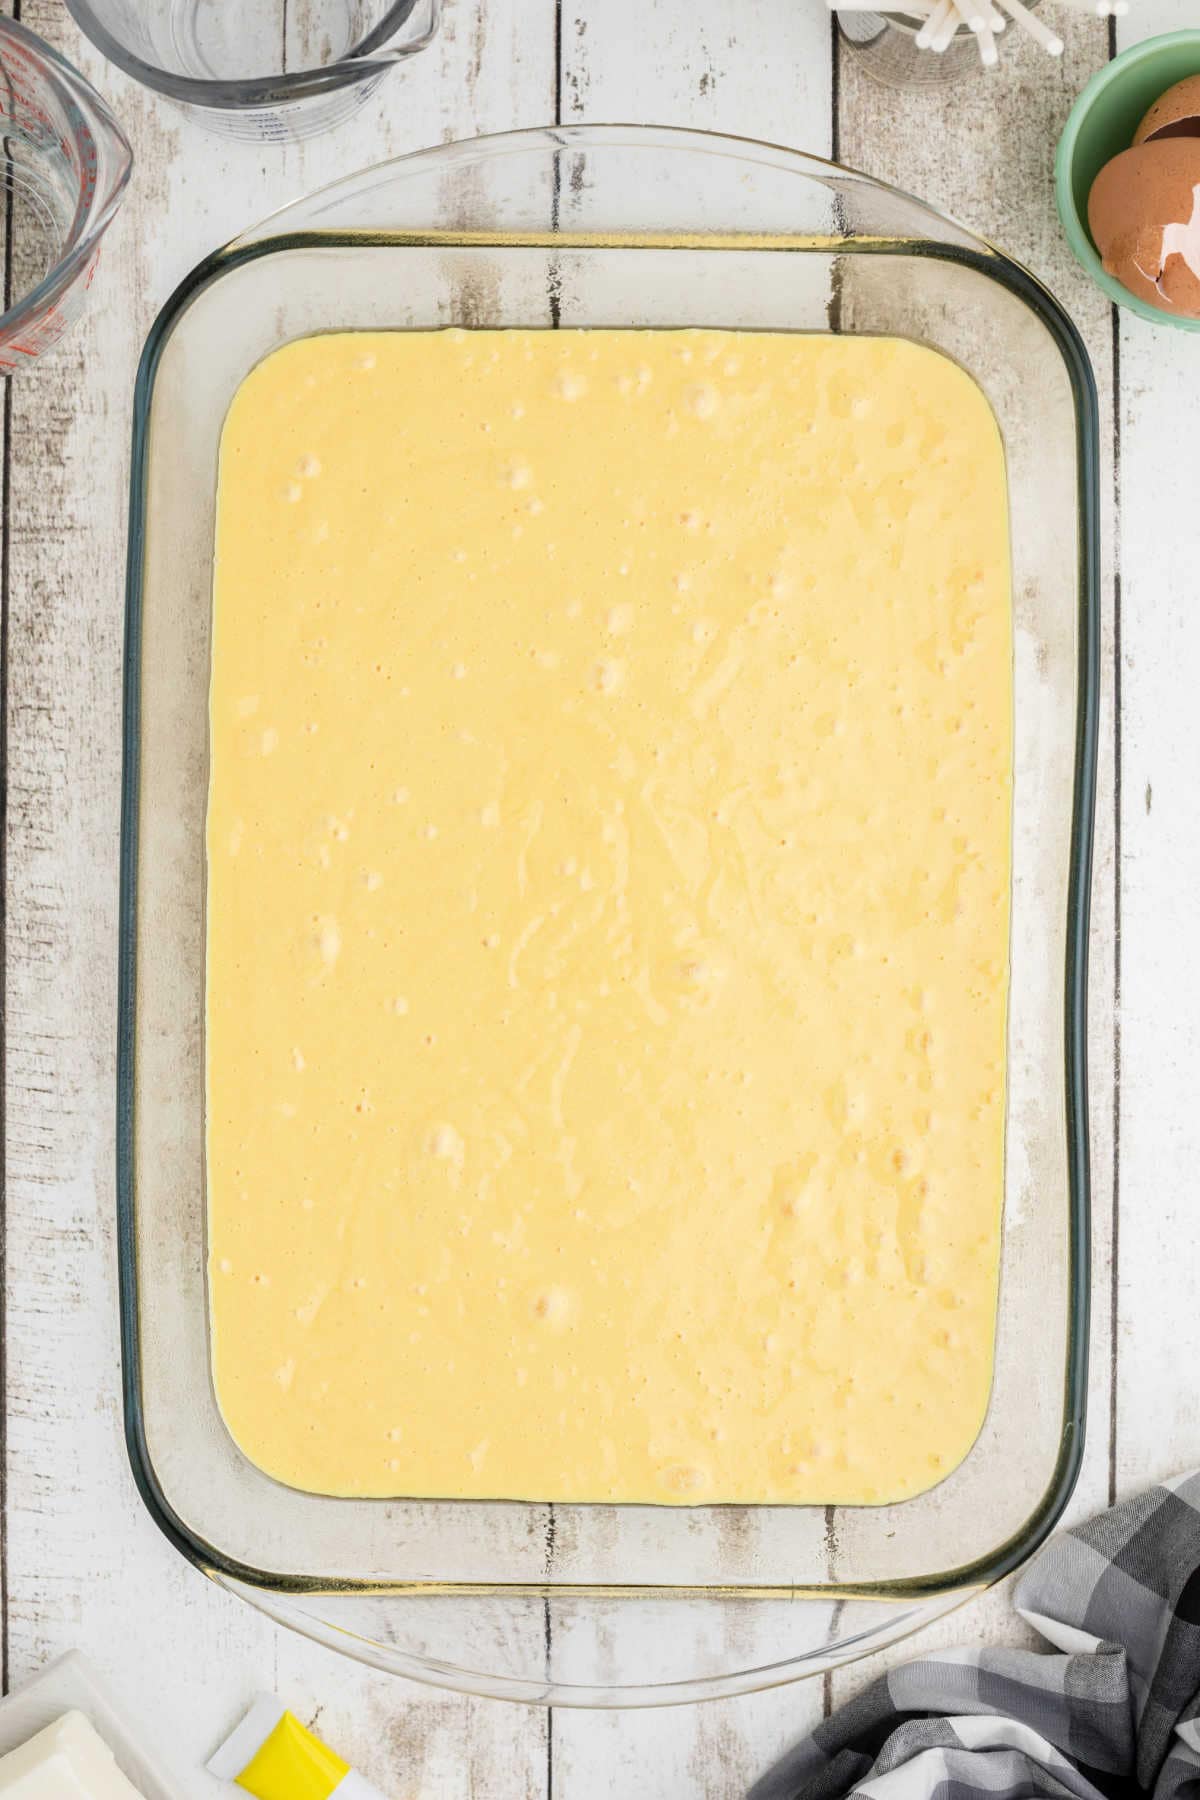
point(69, 1760)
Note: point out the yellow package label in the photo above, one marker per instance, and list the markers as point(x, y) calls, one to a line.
point(292, 1764)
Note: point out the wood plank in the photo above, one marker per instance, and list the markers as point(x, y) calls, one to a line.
point(86, 1565)
point(7, 289)
point(758, 70)
point(1158, 1401)
point(982, 149)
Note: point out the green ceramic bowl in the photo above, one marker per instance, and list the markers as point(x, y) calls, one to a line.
point(1102, 122)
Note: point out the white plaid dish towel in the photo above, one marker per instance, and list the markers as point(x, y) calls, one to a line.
point(1115, 1713)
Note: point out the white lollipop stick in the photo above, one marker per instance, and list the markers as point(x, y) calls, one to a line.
point(933, 24)
point(975, 13)
point(996, 21)
point(1041, 34)
point(989, 56)
point(945, 34)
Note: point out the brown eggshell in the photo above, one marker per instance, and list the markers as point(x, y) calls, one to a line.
point(1134, 198)
point(1174, 114)
point(1181, 285)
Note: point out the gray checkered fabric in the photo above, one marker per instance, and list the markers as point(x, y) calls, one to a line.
point(1112, 1711)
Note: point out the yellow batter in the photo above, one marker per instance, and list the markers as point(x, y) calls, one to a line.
point(607, 915)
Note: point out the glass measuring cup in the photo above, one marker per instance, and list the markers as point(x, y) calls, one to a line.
point(885, 45)
point(64, 169)
point(267, 70)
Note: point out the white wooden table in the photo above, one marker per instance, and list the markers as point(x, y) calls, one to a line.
point(82, 1563)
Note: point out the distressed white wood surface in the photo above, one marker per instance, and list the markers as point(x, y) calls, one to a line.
point(1160, 842)
point(83, 1564)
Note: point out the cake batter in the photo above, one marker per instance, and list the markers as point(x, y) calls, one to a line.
point(608, 870)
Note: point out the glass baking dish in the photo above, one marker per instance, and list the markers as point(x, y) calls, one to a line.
point(588, 226)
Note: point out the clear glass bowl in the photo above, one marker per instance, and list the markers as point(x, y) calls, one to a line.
point(65, 168)
point(588, 226)
point(259, 69)
point(884, 44)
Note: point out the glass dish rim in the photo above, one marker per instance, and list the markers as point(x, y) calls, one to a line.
point(986, 259)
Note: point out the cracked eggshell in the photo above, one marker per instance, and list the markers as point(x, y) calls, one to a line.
point(1140, 201)
point(1175, 114)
